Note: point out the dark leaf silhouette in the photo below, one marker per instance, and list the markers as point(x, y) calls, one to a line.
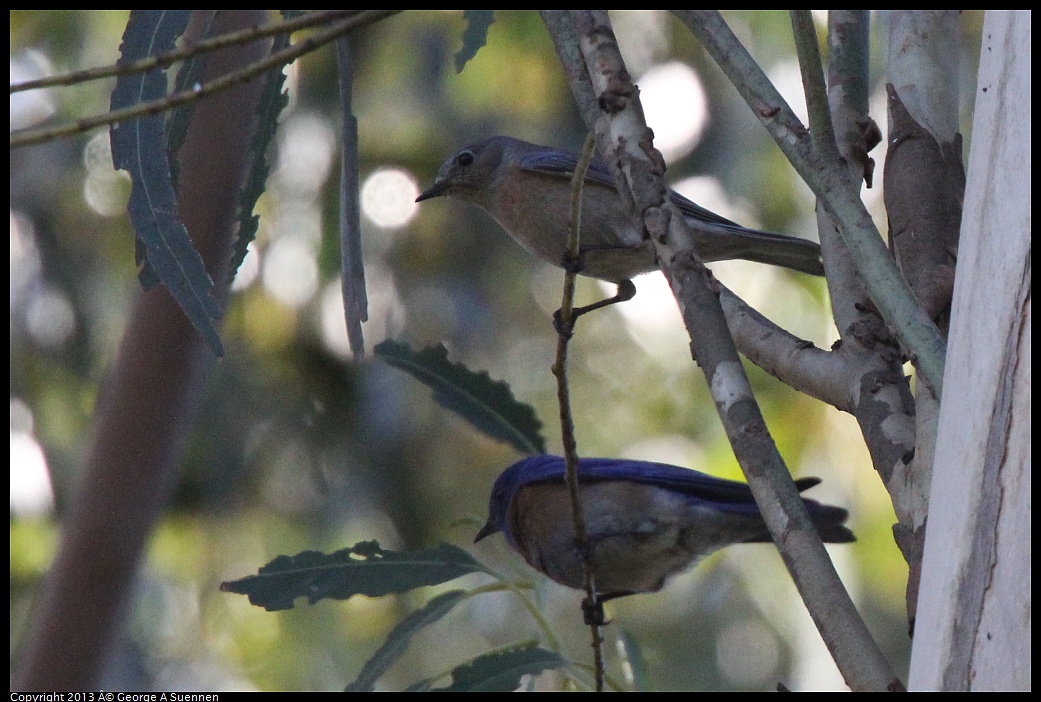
point(487, 404)
point(165, 252)
point(474, 36)
point(500, 671)
point(363, 569)
point(399, 639)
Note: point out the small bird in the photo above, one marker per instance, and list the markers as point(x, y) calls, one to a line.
point(526, 189)
point(646, 521)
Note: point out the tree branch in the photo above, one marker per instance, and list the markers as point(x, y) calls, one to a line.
point(625, 142)
point(817, 162)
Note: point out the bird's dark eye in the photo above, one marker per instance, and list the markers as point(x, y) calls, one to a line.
point(465, 158)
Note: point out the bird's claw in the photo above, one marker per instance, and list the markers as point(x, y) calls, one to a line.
point(564, 330)
point(593, 613)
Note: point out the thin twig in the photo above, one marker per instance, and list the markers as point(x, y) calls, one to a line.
point(566, 323)
point(186, 52)
point(812, 70)
point(509, 584)
point(277, 60)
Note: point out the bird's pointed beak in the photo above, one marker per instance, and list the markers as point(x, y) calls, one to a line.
point(435, 190)
point(487, 530)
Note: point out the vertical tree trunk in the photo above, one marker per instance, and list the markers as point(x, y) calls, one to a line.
point(973, 626)
point(144, 411)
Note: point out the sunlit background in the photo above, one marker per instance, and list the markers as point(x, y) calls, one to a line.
point(296, 448)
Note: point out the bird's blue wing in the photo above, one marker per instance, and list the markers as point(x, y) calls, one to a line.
point(536, 469)
point(682, 480)
point(563, 164)
point(724, 495)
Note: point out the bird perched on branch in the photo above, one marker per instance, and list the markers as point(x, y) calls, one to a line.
point(645, 521)
point(526, 189)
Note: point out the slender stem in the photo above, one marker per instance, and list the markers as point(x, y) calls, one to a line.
point(566, 323)
point(504, 583)
point(277, 60)
point(186, 52)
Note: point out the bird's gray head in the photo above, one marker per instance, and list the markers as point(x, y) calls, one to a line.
point(471, 173)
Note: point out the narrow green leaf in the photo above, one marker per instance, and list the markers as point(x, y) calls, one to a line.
point(138, 36)
point(499, 671)
point(352, 264)
point(487, 404)
point(273, 100)
point(191, 73)
point(363, 569)
point(474, 36)
point(398, 639)
point(138, 146)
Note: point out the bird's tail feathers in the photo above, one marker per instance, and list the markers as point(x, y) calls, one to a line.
point(791, 252)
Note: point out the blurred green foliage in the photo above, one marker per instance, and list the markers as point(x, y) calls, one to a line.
point(297, 449)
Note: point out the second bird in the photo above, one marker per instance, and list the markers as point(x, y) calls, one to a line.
point(645, 521)
point(526, 188)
